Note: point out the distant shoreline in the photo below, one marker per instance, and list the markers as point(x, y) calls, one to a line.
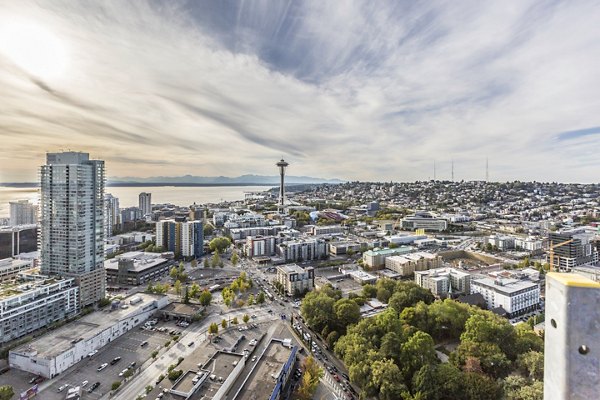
point(156, 184)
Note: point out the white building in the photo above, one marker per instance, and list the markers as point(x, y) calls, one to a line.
point(442, 281)
point(407, 264)
point(260, 246)
point(22, 212)
point(501, 242)
point(424, 220)
point(515, 296)
point(303, 250)
point(57, 351)
point(530, 244)
point(296, 280)
point(326, 230)
point(33, 304)
point(111, 214)
point(145, 203)
point(192, 239)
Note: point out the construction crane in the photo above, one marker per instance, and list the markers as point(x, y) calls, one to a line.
point(551, 252)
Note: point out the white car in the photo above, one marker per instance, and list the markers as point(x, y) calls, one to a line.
point(101, 367)
point(123, 372)
point(84, 383)
point(92, 353)
point(63, 387)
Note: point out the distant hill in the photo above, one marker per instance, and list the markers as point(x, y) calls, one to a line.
point(220, 180)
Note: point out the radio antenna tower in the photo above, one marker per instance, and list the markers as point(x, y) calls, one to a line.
point(434, 175)
point(452, 170)
point(487, 170)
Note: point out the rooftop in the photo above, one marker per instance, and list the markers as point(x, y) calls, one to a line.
point(291, 269)
point(386, 252)
point(61, 339)
point(505, 285)
point(263, 378)
point(221, 364)
point(141, 261)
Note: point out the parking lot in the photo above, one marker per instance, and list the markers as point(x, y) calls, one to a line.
point(128, 347)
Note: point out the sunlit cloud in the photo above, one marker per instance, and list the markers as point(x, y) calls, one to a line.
point(344, 89)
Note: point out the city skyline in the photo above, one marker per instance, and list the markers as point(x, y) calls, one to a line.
point(373, 94)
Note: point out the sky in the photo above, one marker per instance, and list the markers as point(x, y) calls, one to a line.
point(355, 90)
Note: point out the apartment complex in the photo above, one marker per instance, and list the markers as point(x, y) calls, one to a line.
point(22, 212)
point(72, 221)
point(515, 296)
point(260, 246)
point(326, 230)
point(296, 280)
point(183, 238)
point(32, 303)
point(407, 264)
point(111, 214)
point(424, 220)
point(303, 250)
point(145, 202)
point(579, 251)
point(375, 259)
point(444, 281)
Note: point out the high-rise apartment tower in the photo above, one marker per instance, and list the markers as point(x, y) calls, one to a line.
point(72, 221)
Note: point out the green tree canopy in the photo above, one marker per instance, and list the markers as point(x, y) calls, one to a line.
point(219, 244)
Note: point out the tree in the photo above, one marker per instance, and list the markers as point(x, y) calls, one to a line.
point(115, 385)
point(219, 244)
point(213, 328)
point(369, 291)
point(208, 230)
point(216, 259)
point(177, 287)
point(186, 295)
point(206, 263)
point(416, 352)
point(317, 310)
point(261, 298)
point(251, 300)
point(194, 290)
point(205, 298)
point(234, 321)
point(246, 318)
point(387, 378)
point(194, 263)
point(174, 273)
point(6, 392)
point(531, 364)
point(175, 374)
point(234, 259)
point(310, 379)
point(224, 323)
point(347, 312)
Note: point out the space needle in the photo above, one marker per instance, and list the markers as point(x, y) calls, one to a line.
point(282, 166)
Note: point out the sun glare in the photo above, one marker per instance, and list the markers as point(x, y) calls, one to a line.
point(33, 48)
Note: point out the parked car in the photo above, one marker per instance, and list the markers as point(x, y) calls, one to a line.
point(93, 387)
point(84, 383)
point(115, 360)
point(101, 367)
point(63, 387)
point(144, 343)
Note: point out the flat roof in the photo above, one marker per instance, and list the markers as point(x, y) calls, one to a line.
point(507, 286)
point(383, 252)
point(221, 364)
point(263, 378)
point(141, 261)
point(291, 268)
point(58, 341)
point(441, 271)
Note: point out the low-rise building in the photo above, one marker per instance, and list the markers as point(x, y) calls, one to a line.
point(375, 259)
point(10, 267)
point(34, 302)
point(407, 264)
point(337, 248)
point(303, 250)
point(513, 295)
point(15, 240)
point(424, 220)
point(531, 244)
point(443, 281)
point(501, 242)
point(136, 268)
point(57, 351)
point(260, 246)
point(326, 230)
point(296, 280)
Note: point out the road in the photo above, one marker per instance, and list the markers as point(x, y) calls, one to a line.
point(197, 333)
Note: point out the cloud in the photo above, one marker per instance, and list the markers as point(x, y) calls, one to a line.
point(578, 133)
point(347, 89)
